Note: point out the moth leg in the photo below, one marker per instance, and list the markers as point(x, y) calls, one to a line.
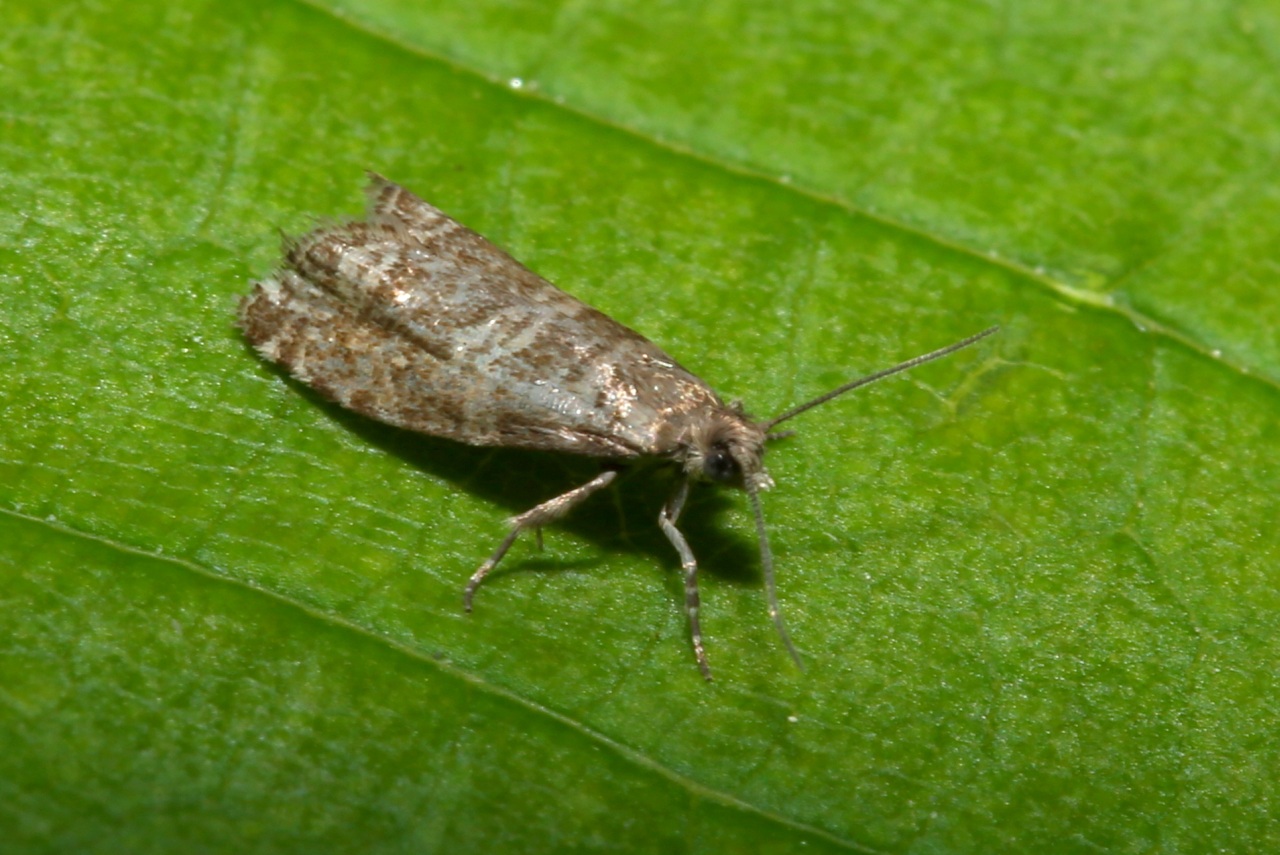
point(692, 603)
point(536, 517)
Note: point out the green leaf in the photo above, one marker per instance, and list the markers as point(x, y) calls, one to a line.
point(1034, 584)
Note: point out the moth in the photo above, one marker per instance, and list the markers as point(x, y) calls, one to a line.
point(412, 319)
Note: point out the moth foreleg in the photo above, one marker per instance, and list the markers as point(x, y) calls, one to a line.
point(692, 602)
point(538, 516)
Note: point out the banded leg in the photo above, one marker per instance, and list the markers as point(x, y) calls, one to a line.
point(667, 521)
point(537, 517)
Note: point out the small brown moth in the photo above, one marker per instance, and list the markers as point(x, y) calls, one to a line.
point(410, 318)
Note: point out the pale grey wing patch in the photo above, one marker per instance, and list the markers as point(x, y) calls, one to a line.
point(452, 251)
point(385, 375)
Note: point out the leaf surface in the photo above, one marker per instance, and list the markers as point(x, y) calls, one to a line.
point(1034, 584)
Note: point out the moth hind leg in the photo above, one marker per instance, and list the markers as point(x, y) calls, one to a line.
point(536, 517)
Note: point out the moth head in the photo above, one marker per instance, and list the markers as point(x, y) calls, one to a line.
point(728, 448)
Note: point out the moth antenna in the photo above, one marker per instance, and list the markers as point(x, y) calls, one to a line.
point(766, 561)
point(879, 375)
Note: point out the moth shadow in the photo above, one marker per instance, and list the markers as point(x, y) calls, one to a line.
point(622, 517)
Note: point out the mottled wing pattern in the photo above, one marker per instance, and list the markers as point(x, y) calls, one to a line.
point(413, 319)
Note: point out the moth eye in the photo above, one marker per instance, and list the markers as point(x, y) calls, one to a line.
point(720, 465)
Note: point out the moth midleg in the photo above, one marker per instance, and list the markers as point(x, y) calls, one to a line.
point(538, 516)
point(692, 602)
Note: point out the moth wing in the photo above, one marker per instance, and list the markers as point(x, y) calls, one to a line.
point(413, 319)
